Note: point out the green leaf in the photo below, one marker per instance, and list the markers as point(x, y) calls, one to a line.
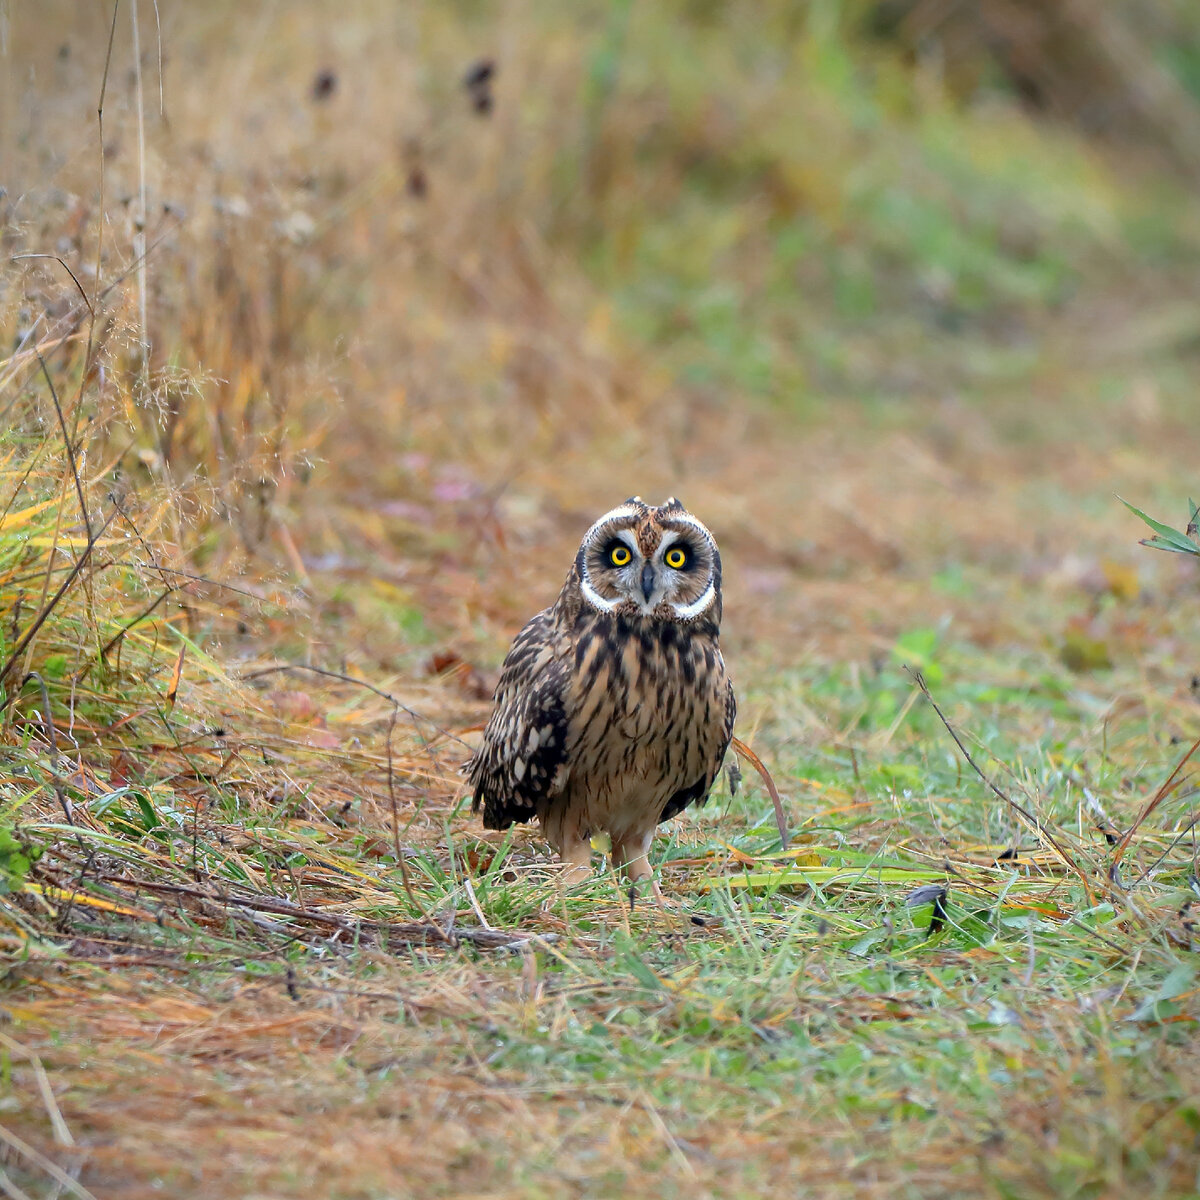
point(1157, 543)
point(15, 861)
point(1179, 981)
point(54, 666)
point(869, 941)
point(1177, 541)
point(150, 819)
point(640, 971)
point(99, 805)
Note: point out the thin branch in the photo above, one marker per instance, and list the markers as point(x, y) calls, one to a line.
point(65, 915)
point(61, 263)
point(62, 424)
point(48, 608)
point(116, 637)
point(74, 313)
point(228, 587)
point(139, 236)
point(1038, 826)
point(416, 716)
point(397, 708)
point(52, 738)
point(411, 931)
point(1172, 782)
point(112, 33)
point(1188, 828)
point(391, 786)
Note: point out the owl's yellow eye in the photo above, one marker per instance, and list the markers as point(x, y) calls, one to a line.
point(619, 556)
point(675, 558)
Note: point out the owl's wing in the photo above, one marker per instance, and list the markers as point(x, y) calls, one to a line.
point(697, 793)
point(523, 759)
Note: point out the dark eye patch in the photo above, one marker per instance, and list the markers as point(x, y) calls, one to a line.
point(616, 553)
point(679, 557)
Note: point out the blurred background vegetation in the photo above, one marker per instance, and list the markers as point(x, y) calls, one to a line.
point(638, 246)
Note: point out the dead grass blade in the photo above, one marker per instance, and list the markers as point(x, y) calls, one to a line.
point(1169, 785)
point(39, 1160)
point(769, 783)
point(62, 1134)
point(176, 676)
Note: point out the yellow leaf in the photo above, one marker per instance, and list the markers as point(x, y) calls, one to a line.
point(56, 893)
point(14, 520)
point(71, 543)
point(1122, 580)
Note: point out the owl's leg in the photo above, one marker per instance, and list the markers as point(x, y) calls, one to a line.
point(631, 852)
point(564, 831)
point(576, 853)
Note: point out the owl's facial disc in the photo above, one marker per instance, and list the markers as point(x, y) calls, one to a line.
point(610, 562)
point(687, 558)
point(650, 562)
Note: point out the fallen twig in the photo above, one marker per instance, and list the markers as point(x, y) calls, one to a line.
point(408, 931)
point(397, 708)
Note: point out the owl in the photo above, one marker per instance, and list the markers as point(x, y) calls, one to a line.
point(614, 710)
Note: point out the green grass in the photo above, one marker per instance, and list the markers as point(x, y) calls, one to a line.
point(1036, 1018)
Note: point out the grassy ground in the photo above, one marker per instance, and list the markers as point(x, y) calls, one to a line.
point(395, 343)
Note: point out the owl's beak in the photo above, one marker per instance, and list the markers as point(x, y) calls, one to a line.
point(647, 582)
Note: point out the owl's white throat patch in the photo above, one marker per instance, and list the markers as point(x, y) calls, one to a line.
point(594, 598)
point(689, 612)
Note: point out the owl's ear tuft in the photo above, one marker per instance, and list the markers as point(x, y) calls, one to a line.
point(635, 500)
point(672, 502)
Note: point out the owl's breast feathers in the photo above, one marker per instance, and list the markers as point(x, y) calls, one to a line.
point(604, 710)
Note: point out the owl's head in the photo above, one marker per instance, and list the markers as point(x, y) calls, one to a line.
point(660, 563)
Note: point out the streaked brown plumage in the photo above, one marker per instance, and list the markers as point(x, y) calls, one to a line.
point(614, 710)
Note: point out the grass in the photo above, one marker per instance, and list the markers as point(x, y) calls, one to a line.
point(403, 348)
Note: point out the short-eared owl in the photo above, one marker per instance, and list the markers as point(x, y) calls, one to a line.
point(614, 711)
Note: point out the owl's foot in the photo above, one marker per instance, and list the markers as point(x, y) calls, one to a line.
point(632, 854)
